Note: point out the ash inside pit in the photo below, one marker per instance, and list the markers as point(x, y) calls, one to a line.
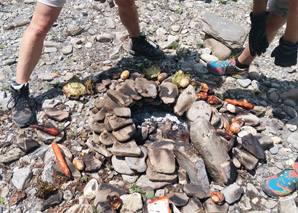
point(154, 123)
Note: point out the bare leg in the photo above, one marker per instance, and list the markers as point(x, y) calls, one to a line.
point(274, 23)
point(291, 33)
point(32, 42)
point(129, 16)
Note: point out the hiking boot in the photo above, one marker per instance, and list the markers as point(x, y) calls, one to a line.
point(22, 111)
point(281, 184)
point(141, 47)
point(227, 67)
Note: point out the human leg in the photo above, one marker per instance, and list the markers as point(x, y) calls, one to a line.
point(29, 53)
point(239, 67)
point(32, 42)
point(273, 24)
point(291, 33)
point(129, 17)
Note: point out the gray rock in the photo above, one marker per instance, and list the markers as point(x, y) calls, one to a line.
point(50, 103)
point(162, 160)
point(291, 112)
point(207, 58)
point(179, 199)
point(208, 143)
point(274, 149)
point(185, 99)
point(193, 164)
point(193, 206)
point(145, 88)
point(244, 82)
point(288, 204)
point(168, 92)
point(290, 94)
point(21, 177)
point(210, 207)
point(169, 43)
point(120, 98)
point(144, 182)
point(153, 175)
point(98, 148)
point(11, 155)
point(223, 30)
point(125, 133)
point(232, 193)
point(122, 112)
point(245, 158)
point(57, 114)
point(105, 37)
point(66, 50)
point(293, 139)
point(289, 102)
point(200, 191)
point(90, 189)
point(105, 138)
point(138, 163)
point(126, 149)
point(8, 62)
point(27, 144)
point(92, 164)
point(252, 145)
point(53, 200)
point(131, 202)
point(218, 49)
point(274, 96)
point(199, 109)
point(121, 166)
point(250, 119)
point(47, 76)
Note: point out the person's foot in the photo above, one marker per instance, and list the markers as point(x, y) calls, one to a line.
point(22, 110)
point(227, 67)
point(281, 184)
point(141, 47)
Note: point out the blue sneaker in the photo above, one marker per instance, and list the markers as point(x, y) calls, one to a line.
point(281, 184)
point(227, 67)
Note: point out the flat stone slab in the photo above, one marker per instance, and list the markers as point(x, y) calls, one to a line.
point(223, 30)
point(126, 149)
point(162, 160)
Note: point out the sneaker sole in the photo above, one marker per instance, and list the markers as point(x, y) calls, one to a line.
point(140, 55)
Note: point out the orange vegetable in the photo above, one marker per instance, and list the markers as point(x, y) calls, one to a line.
point(240, 103)
point(202, 95)
point(60, 159)
point(204, 87)
point(49, 130)
point(212, 99)
point(217, 197)
point(114, 201)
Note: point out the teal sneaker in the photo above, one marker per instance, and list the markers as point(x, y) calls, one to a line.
point(227, 67)
point(281, 184)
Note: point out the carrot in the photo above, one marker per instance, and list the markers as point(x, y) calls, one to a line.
point(240, 103)
point(49, 130)
point(60, 159)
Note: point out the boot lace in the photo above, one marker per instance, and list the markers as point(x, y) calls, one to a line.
point(20, 99)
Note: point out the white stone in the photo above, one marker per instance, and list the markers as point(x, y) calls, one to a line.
point(90, 189)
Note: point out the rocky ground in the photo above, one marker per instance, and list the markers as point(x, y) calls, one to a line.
point(88, 41)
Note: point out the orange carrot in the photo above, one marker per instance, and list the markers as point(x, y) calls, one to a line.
point(49, 130)
point(240, 103)
point(60, 159)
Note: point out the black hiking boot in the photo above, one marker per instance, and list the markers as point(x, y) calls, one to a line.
point(22, 110)
point(141, 47)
